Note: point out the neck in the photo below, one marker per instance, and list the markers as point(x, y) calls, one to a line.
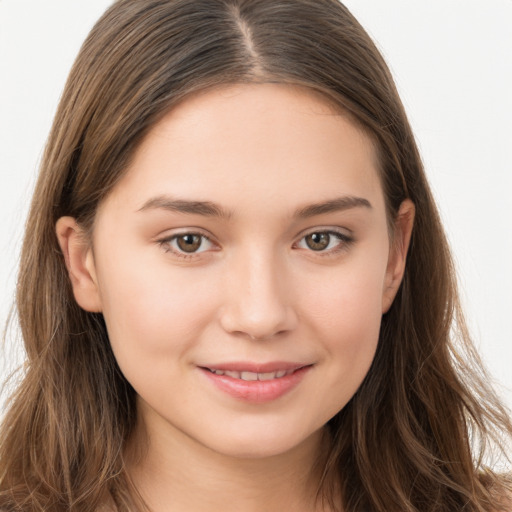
point(171, 468)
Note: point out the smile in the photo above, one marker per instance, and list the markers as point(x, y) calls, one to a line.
point(252, 376)
point(257, 385)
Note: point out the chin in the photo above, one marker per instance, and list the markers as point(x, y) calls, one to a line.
point(264, 443)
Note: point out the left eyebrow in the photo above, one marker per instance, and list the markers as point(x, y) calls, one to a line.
point(333, 205)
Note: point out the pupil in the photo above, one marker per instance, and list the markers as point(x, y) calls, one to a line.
point(317, 241)
point(189, 243)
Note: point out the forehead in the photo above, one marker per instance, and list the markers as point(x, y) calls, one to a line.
point(242, 144)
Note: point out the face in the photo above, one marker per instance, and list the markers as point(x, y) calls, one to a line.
point(242, 265)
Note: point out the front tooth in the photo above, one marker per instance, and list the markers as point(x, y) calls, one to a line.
point(234, 375)
point(249, 376)
point(280, 373)
point(266, 376)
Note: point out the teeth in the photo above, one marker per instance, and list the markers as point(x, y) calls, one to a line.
point(252, 376)
point(248, 376)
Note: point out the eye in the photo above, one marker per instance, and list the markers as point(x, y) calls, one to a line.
point(186, 244)
point(324, 241)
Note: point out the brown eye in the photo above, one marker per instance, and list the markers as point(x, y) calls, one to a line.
point(318, 241)
point(327, 242)
point(189, 243)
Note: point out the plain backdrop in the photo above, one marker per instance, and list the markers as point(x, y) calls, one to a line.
point(452, 60)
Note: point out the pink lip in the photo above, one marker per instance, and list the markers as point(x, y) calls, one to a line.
point(242, 366)
point(258, 391)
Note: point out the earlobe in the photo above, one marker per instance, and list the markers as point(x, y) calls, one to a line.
point(80, 264)
point(398, 253)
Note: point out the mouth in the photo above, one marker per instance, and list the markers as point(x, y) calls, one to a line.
point(252, 376)
point(254, 383)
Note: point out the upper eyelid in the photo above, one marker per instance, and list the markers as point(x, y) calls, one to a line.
point(301, 234)
point(326, 229)
point(183, 231)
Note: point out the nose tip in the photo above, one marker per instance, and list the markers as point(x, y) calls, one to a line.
point(256, 304)
point(258, 327)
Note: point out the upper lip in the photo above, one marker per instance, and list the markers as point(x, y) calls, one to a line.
point(242, 366)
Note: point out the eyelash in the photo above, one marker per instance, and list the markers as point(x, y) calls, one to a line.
point(165, 243)
point(344, 242)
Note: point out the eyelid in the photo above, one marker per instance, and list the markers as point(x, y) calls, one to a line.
point(326, 228)
point(165, 242)
point(345, 240)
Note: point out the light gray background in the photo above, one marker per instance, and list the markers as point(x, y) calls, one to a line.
point(452, 60)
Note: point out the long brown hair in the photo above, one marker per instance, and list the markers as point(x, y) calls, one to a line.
point(418, 433)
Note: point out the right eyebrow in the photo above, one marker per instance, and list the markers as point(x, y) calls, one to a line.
point(205, 208)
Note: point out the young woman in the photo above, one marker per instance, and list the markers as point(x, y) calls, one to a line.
point(235, 291)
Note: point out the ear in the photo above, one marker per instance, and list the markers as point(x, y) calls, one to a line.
point(398, 253)
point(79, 260)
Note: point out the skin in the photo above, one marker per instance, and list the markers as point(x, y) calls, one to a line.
point(257, 291)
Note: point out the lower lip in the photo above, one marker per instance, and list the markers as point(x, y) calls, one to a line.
point(257, 391)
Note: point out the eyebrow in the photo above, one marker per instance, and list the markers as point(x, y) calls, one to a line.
point(333, 205)
point(209, 209)
point(205, 208)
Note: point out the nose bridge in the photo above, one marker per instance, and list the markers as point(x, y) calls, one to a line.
point(256, 299)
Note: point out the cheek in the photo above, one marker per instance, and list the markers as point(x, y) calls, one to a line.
point(346, 316)
point(153, 314)
point(348, 300)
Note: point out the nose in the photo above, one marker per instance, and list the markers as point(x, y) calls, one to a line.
point(256, 299)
